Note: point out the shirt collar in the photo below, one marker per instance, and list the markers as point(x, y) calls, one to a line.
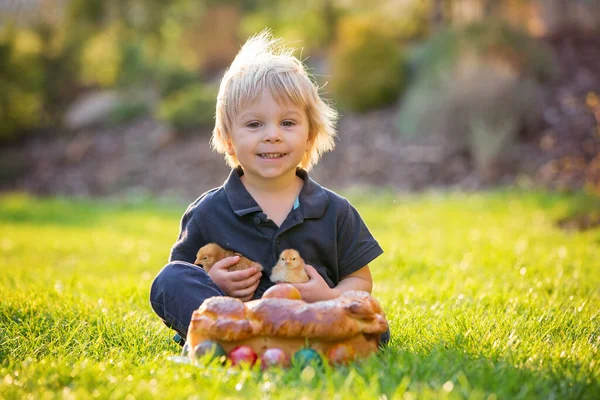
point(313, 198)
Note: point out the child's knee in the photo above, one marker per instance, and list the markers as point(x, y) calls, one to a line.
point(174, 275)
point(181, 282)
point(166, 278)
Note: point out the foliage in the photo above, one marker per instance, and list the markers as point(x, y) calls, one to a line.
point(21, 77)
point(311, 23)
point(488, 40)
point(138, 70)
point(367, 65)
point(476, 87)
point(38, 65)
point(479, 307)
point(129, 110)
point(101, 59)
point(47, 61)
point(190, 107)
point(404, 20)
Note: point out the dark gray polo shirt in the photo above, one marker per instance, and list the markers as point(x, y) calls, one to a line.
point(326, 230)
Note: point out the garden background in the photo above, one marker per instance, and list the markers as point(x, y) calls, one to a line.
point(469, 140)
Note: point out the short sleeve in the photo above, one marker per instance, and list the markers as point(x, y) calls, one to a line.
point(189, 241)
point(356, 246)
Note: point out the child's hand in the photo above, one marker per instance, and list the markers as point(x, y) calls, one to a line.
point(316, 289)
point(241, 284)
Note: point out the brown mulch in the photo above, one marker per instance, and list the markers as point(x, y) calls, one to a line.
point(566, 153)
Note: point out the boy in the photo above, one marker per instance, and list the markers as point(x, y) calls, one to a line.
point(272, 127)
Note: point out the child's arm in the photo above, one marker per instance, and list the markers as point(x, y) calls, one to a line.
point(190, 238)
point(316, 289)
point(359, 280)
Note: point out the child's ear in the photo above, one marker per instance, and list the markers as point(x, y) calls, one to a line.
point(309, 142)
point(229, 147)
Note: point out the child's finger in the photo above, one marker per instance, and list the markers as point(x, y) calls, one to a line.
point(311, 271)
point(245, 292)
point(247, 298)
point(248, 282)
point(237, 276)
point(226, 262)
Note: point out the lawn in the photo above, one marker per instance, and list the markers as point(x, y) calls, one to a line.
point(486, 299)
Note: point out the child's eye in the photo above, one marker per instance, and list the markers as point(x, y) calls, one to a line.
point(253, 125)
point(205, 258)
point(281, 258)
point(288, 123)
point(294, 259)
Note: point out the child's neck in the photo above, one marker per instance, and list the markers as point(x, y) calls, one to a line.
point(275, 198)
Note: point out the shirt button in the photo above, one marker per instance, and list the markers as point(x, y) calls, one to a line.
point(277, 240)
point(256, 220)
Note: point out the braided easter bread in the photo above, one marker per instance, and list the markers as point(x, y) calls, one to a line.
point(355, 319)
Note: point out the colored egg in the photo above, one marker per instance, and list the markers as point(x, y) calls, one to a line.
point(282, 291)
point(340, 354)
point(242, 355)
point(305, 357)
point(209, 347)
point(274, 357)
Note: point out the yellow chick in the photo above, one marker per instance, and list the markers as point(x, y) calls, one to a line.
point(209, 254)
point(289, 268)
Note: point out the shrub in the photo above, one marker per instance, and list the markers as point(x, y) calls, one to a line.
point(491, 40)
point(138, 70)
point(21, 96)
point(367, 67)
point(101, 59)
point(189, 108)
point(476, 88)
point(48, 59)
point(308, 23)
point(129, 110)
point(172, 78)
point(39, 75)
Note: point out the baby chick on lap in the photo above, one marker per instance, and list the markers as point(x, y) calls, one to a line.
point(289, 268)
point(209, 254)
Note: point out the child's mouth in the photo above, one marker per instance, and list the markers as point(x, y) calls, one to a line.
point(271, 155)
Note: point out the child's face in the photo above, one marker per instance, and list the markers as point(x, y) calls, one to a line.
point(269, 138)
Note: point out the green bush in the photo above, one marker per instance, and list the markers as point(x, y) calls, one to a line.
point(101, 59)
point(21, 96)
point(172, 78)
point(139, 70)
point(491, 40)
point(476, 88)
point(39, 75)
point(306, 23)
point(129, 110)
point(367, 65)
point(189, 108)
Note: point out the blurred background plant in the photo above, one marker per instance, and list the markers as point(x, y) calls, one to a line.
point(366, 64)
point(476, 77)
point(477, 87)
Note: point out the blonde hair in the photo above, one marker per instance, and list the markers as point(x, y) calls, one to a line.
point(263, 64)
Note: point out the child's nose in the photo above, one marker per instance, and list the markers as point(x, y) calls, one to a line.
point(272, 134)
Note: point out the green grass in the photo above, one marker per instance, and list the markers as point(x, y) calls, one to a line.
point(485, 296)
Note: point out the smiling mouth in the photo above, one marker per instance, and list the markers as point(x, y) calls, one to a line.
point(271, 155)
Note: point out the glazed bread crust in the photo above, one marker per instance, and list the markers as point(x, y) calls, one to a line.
point(355, 318)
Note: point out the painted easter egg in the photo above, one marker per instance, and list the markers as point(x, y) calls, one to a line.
point(209, 347)
point(242, 354)
point(306, 356)
point(274, 357)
